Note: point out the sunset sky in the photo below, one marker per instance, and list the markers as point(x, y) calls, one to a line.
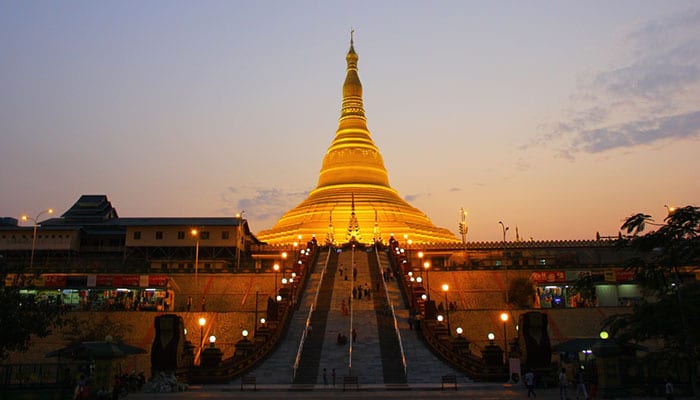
point(559, 117)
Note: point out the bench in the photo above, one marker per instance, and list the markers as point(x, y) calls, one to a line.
point(248, 380)
point(351, 380)
point(449, 379)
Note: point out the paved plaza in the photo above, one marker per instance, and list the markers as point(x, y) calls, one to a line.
point(485, 391)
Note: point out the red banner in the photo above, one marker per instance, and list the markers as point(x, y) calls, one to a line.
point(157, 280)
point(624, 276)
point(55, 280)
point(125, 281)
point(548, 276)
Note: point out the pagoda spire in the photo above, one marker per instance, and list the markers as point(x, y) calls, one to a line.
point(353, 224)
point(352, 105)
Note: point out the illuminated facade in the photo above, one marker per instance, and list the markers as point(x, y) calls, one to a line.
point(353, 194)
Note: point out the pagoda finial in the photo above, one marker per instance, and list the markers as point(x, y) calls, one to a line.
point(352, 34)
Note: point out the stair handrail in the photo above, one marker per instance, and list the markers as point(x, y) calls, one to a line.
point(393, 315)
point(312, 307)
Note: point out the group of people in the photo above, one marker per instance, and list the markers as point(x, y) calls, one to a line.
point(358, 291)
point(342, 339)
point(585, 388)
point(563, 380)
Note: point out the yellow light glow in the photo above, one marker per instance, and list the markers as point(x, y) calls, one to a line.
point(276, 267)
point(194, 232)
point(504, 317)
point(202, 321)
point(445, 287)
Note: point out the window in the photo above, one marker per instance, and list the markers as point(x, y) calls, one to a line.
point(204, 235)
point(499, 263)
point(137, 235)
point(543, 261)
point(224, 235)
point(164, 266)
point(159, 235)
point(181, 235)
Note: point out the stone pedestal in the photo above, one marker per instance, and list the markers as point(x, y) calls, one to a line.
point(492, 356)
point(460, 345)
point(244, 348)
point(211, 357)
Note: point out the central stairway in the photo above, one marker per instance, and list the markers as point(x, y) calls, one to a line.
point(377, 356)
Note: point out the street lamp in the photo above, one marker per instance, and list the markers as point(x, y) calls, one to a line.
point(276, 267)
point(505, 229)
point(202, 321)
point(504, 318)
point(426, 265)
point(445, 288)
point(36, 222)
point(195, 233)
point(239, 240)
point(408, 251)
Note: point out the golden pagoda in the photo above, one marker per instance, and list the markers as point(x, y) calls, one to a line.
point(353, 200)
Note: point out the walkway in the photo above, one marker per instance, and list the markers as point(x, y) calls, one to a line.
point(375, 357)
point(278, 368)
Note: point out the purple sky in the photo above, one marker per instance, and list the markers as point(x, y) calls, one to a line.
point(558, 117)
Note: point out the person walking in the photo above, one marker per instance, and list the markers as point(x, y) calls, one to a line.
point(563, 383)
point(530, 383)
point(333, 376)
point(354, 335)
point(581, 385)
point(189, 303)
point(668, 388)
point(325, 377)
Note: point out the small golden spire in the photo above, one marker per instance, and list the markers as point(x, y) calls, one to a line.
point(352, 33)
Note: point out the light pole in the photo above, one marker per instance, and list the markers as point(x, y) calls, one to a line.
point(276, 267)
point(505, 229)
point(239, 240)
point(420, 261)
point(36, 222)
point(284, 261)
point(445, 288)
point(426, 265)
point(504, 318)
point(202, 321)
point(195, 233)
point(408, 251)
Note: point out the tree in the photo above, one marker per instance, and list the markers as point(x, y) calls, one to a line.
point(521, 292)
point(669, 307)
point(22, 317)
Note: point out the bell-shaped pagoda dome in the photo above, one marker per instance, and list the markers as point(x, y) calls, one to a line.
point(353, 200)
